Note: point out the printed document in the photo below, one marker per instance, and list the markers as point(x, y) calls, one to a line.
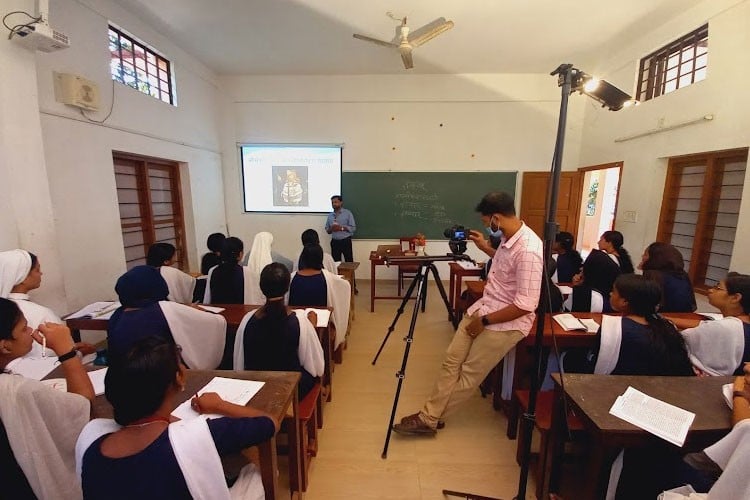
point(653, 415)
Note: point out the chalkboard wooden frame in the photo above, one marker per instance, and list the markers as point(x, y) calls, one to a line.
point(388, 205)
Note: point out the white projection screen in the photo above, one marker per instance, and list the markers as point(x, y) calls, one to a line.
point(290, 178)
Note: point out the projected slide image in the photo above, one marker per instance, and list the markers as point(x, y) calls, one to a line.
point(290, 178)
point(290, 186)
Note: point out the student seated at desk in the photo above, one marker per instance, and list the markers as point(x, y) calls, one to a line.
point(229, 282)
point(181, 285)
point(611, 243)
point(20, 273)
point(593, 285)
point(310, 237)
point(214, 243)
point(569, 261)
point(664, 264)
point(261, 254)
point(39, 424)
point(314, 286)
point(308, 287)
point(722, 347)
point(721, 470)
point(146, 453)
point(146, 312)
point(277, 338)
point(640, 342)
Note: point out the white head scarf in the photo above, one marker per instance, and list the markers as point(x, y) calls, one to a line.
point(260, 253)
point(15, 265)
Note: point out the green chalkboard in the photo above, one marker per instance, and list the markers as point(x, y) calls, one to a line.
point(388, 205)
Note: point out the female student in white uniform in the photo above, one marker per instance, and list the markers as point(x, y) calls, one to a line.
point(20, 273)
point(181, 285)
point(41, 425)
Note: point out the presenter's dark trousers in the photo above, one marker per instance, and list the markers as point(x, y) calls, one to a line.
point(339, 247)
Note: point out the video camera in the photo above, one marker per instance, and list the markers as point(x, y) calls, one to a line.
point(457, 236)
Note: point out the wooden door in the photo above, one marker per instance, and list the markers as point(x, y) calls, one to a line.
point(534, 199)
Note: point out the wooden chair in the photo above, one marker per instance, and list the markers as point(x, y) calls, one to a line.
point(310, 420)
point(406, 270)
point(543, 424)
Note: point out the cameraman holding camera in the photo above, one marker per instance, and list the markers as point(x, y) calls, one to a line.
point(495, 323)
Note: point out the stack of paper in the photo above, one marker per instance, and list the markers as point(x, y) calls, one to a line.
point(233, 390)
point(570, 322)
point(653, 415)
point(211, 309)
point(97, 380)
point(466, 264)
point(36, 368)
point(324, 316)
point(97, 310)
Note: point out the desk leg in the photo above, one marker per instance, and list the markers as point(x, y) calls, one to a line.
point(269, 465)
point(555, 444)
point(372, 286)
point(296, 461)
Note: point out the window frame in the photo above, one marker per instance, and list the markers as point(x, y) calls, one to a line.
point(148, 52)
point(654, 68)
point(142, 165)
point(707, 212)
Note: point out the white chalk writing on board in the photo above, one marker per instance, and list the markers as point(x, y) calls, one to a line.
point(415, 201)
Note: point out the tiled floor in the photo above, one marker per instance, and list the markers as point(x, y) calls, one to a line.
point(470, 454)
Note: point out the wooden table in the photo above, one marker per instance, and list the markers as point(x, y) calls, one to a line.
point(591, 396)
point(277, 395)
point(457, 273)
point(347, 269)
point(234, 313)
point(375, 261)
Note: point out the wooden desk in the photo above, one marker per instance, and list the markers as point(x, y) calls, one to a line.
point(524, 365)
point(591, 397)
point(457, 273)
point(275, 397)
point(234, 313)
point(347, 269)
point(375, 261)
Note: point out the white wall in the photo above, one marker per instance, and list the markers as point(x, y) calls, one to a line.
point(723, 94)
point(60, 165)
point(489, 122)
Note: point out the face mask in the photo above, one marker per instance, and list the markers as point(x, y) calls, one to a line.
point(494, 233)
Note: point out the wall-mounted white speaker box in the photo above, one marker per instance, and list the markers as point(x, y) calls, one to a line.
point(76, 91)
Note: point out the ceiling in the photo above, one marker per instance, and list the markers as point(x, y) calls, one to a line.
point(264, 37)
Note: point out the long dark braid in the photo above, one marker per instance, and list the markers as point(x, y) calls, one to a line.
point(643, 296)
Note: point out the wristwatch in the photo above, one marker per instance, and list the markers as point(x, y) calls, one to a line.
point(485, 321)
point(68, 355)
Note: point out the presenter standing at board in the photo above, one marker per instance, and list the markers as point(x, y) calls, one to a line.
point(341, 226)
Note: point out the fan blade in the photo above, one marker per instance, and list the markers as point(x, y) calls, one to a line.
point(423, 38)
point(406, 56)
point(375, 40)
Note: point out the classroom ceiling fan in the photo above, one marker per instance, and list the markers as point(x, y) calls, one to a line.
point(405, 42)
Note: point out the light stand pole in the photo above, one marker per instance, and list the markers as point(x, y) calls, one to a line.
point(565, 79)
point(570, 80)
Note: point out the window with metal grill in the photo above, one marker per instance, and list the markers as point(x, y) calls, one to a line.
point(674, 66)
point(148, 193)
point(700, 210)
point(136, 65)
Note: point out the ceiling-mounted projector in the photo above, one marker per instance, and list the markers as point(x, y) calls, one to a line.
point(39, 35)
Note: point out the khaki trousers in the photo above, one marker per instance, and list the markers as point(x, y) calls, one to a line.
point(467, 362)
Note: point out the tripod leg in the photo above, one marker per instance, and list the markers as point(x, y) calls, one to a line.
point(415, 282)
point(424, 293)
point(441, 288)
point(401, 374)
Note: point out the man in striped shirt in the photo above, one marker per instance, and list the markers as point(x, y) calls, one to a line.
point(496, 322)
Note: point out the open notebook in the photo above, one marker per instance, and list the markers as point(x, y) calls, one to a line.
point(570, 322)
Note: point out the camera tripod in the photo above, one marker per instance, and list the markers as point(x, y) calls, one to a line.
point(426, 265)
